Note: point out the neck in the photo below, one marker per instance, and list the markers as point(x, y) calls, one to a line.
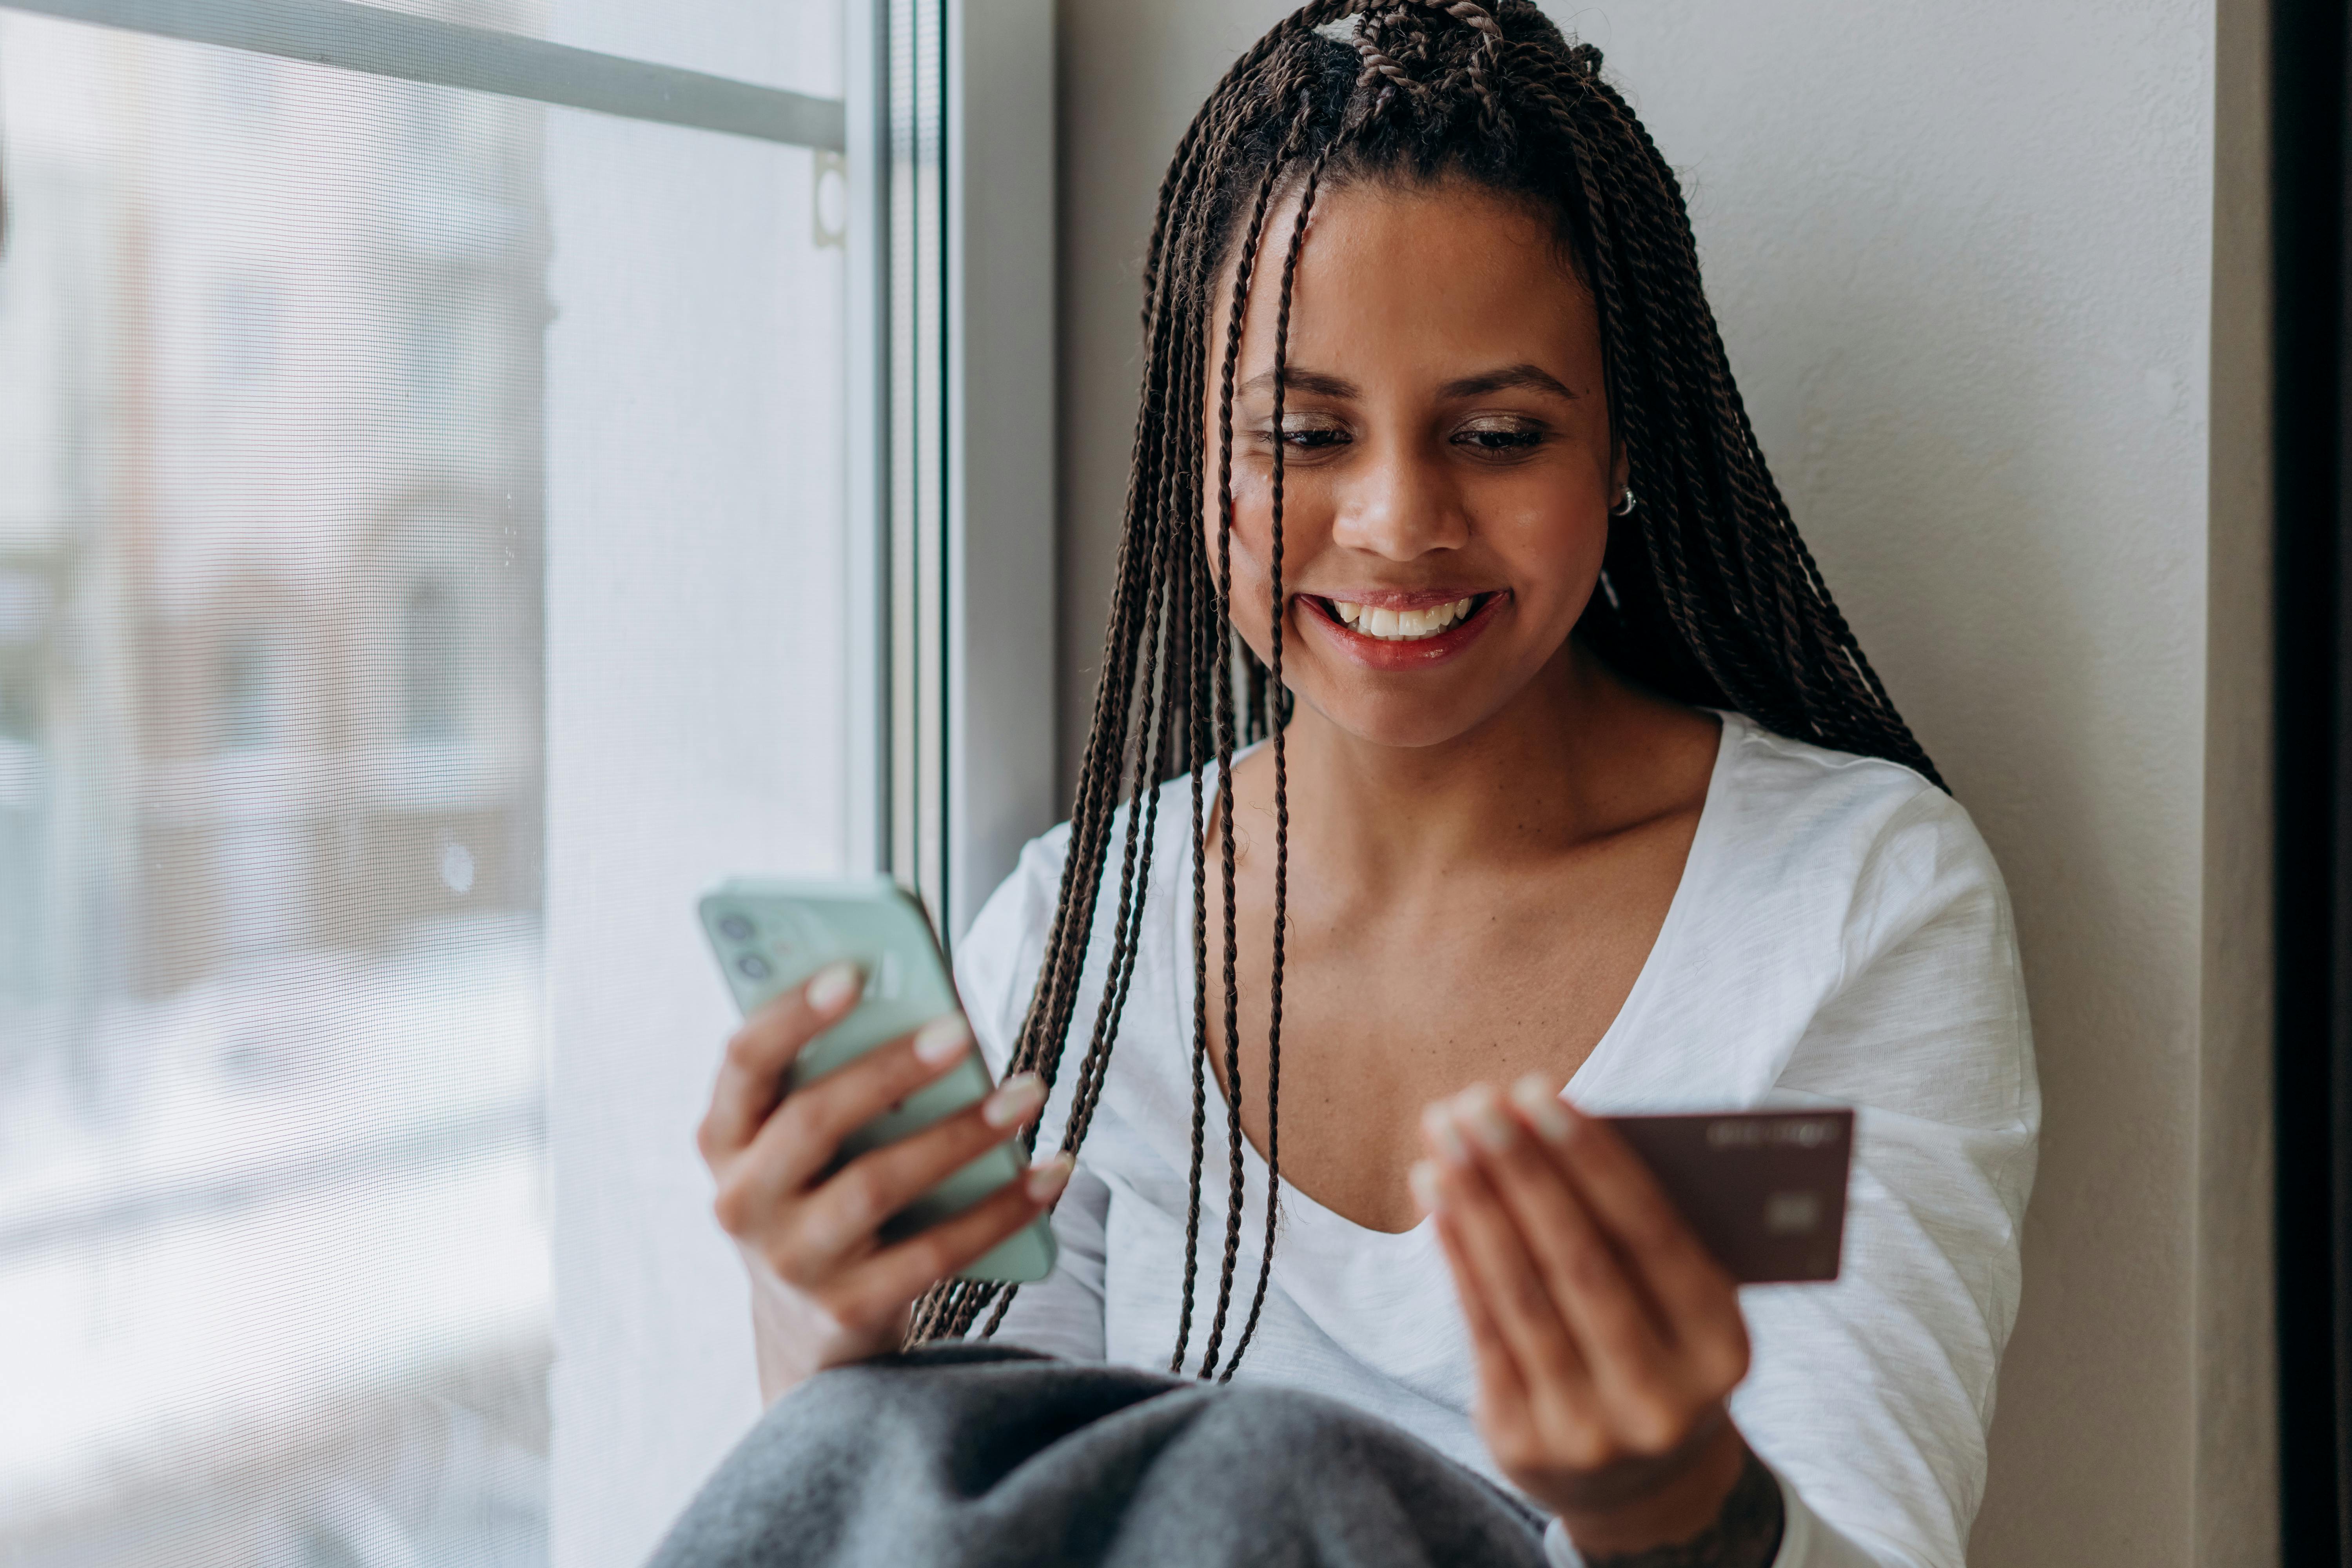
point(1564, 761)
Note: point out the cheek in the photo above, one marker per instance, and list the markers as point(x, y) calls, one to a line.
point(1247, 563)
point(1552, 545)
point(1306, 519)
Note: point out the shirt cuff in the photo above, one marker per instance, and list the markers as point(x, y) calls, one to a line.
point(1798, 1528)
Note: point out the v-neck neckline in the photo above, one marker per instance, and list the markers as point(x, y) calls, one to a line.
point(1304, 1218)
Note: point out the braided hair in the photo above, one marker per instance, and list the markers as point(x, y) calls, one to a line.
point(1710, 595)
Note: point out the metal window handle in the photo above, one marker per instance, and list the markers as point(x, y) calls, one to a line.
point(829, 200)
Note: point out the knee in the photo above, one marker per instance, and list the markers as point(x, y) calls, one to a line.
point(1278, 1430)
point(1274, 1406)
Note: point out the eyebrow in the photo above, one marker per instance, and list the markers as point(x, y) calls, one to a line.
point(1527, 376)
point(1321, 384)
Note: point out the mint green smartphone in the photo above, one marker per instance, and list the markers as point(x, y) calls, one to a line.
point(770, 936)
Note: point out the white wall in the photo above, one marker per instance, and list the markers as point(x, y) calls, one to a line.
point(1967, 263)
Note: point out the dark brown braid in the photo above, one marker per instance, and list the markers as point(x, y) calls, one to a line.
point(1713, 598)
point(1281, 765)
point(1244, 265)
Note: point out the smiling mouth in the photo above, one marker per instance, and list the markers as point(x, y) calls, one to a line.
point(1402, 625)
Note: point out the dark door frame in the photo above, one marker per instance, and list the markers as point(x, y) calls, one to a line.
point(2310, 134)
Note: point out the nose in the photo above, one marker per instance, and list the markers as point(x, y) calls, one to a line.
point(1401, 506)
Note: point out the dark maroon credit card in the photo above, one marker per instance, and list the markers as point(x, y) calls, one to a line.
point(1765, 1190)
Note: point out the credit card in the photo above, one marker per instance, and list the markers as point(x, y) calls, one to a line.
point(1764, 1189)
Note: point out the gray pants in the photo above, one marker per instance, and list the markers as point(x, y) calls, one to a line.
point(980, 1456)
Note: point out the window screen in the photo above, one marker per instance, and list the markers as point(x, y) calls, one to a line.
point(423, 565)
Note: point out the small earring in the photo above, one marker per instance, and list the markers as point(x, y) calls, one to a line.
point(1625, 504)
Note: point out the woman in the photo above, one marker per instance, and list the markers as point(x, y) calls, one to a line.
point(1568, 773)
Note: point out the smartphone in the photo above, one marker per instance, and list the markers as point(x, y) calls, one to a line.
point(1764, 1189)
point(770, 936)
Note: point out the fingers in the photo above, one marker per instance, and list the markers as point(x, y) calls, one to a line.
point(802, 1138)
point(1633, 1368)
point(1698, 1300)
point(1510, 1287)
point(879, 1286)
point(1502, 1388)
point(1651, 1326)
point(750, 1076)
point(839, 1218)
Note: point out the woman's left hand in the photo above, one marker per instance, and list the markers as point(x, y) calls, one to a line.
point(1608, 1338)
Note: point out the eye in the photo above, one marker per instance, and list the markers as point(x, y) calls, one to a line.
point(1314, 437)
point(1309, 433)
point(1500, 435)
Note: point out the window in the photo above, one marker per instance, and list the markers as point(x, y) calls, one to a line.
point(458, 502)
point(432, 663)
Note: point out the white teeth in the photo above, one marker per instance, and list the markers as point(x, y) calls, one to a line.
point(1402, 625)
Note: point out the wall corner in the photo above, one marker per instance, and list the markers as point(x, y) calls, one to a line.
point(2236, 1423)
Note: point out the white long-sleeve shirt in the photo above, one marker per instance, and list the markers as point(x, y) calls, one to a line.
point(1839, 936)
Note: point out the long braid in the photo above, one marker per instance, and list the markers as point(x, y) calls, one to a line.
point(1145, 767)
point(1281, 771)
point(1206, 631)
point(1141, 832)
point(1200, 675)
point(1225, 733)
point(1714, 597)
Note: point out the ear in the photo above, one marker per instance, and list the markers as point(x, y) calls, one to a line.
point(1621, 471)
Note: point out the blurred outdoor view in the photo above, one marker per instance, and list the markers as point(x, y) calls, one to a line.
point(274, 1261)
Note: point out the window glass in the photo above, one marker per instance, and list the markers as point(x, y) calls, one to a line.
point(696, 729)
point(420, 546)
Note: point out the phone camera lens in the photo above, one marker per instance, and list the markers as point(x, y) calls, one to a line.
point(734, 928)
point(752, 967)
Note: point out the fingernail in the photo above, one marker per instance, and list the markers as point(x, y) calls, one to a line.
point(1542, 1109)
point(942, 1040)
point(1484, 1111)
point(1438, 1122)
point(1015, 1100)
point(1047, 1177)
point(1427, 1187)
point(830, 989)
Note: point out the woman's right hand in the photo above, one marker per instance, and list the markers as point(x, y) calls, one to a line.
point(826, 1290)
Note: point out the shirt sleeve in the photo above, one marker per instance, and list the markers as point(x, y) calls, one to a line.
point(1871, 1397)
point(1805, 1540)
point(996, 969)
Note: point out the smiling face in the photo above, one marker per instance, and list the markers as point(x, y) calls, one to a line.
point(1447, 468)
